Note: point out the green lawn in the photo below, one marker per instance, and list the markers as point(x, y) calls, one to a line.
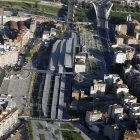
point(30, 130)
point(42, 136)
point(71, 135)
point(66, 126)
point(33, 6)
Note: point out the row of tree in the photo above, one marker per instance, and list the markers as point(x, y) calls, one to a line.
point(127, 8)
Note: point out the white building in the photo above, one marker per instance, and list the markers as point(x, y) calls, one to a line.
point(80, 63)
point(120, 57)
point(92, 117)
point(98, 89)
point(79, 68)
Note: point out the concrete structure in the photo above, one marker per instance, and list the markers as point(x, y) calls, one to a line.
point(102, 10)
point(98, 89)
point(92, 117)
point(131, 135)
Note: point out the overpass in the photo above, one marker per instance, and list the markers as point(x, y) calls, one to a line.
point(102, 10)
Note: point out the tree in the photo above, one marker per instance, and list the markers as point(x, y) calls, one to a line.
point(137, 8)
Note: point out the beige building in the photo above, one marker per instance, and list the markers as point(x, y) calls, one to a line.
point(131, 135)
point(97, 89)
point(93, 116)
point(120, 40)
point(137, 32)
point(121, 29)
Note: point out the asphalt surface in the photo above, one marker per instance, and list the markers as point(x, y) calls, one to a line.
point(18, 87)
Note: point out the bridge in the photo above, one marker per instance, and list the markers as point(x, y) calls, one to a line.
point(102, 10)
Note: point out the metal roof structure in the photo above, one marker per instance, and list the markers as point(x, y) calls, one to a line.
point(55, 97)
point(62, 55)
point(45, 97)
point(61, 98)
point(68, 54)
point(55, 55)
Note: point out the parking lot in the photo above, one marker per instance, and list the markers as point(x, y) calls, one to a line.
point(18, 86)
